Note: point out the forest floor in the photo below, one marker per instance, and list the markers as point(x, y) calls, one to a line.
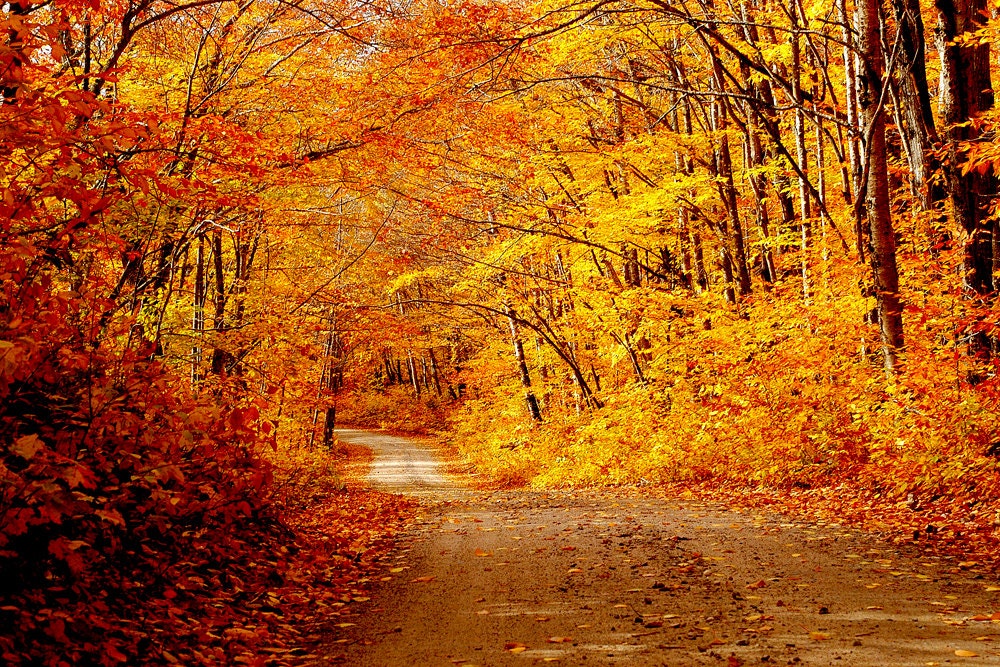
point(519, 577)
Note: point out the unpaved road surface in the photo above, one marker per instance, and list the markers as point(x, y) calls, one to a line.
point(594, 578)
point(402, 465)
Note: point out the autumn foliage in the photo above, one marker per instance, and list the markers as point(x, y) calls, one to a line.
point(664, 259)
point(663, 243)
point(143, 519)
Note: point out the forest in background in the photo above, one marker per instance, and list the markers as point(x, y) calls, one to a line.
point(697, 245)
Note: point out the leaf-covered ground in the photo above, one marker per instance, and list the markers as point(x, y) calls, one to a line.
point(259, 592)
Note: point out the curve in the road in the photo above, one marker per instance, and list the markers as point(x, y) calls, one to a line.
point(401, 465)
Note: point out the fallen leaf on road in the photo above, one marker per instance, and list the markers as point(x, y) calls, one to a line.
point(757, 584)
point(397, 570)
point(819, 636)
point(483, 554)
point(541, 619)
point(515, 647)
point(569, 548)
point(573, 570)
point(559, 640)
point(962, 653)
point(346, 625)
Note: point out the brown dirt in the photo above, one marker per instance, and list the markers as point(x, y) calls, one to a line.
point(597, 577)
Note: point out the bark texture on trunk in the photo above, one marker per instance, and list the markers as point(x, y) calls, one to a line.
point(917, 130)
point(883, 250)
point(967, 91)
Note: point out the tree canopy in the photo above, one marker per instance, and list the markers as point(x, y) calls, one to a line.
point(746, 244)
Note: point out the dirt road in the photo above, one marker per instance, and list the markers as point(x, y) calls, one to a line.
point(591, 578)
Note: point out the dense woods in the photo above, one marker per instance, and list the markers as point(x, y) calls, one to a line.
point(744, 244)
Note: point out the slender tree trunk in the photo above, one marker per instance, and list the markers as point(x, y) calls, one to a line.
point(435, 373)
point(329, 426)
point(734, 260)
point(684, 241)
point(883, 260)
point(821, 190)
point(754, 155)
point(522, 365)
point(739, 255)
point(198, 319)
point(699, 261)
point(626, 343)
point(332, 380)
point(755, 160)
point(782, 184)
point(411, 366)
point(220, 357)
point(853, 127)
point(801, 154)
point(917, 130)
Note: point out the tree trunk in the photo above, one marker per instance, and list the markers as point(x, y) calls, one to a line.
point(755, 160)
point(782, 184)
point(522, 364)
point(966, 92)
point(435, 373)
point(917, 130)
point(198, 318)
point(220, 357)
point(699, 262)
point(853, 127)
point(871, 102)
point(734, 259)
point(801, 154)
point(329, 425)
point(739, 255)
point(411, 366)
